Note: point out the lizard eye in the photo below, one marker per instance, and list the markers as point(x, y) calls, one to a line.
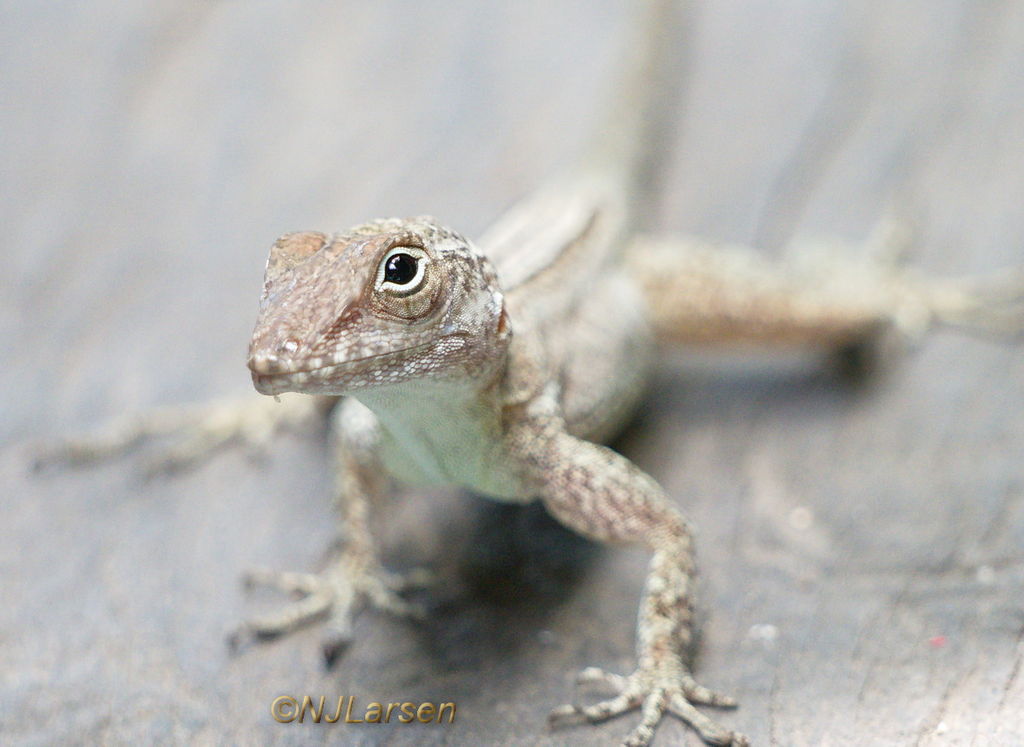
point(402, 270)
point(407, 284)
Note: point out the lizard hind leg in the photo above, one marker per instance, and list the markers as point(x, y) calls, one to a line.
point(911, 300)
point(823, 294)
point(197, 431)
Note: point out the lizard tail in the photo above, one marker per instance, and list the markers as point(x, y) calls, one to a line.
point(636, 133)
point(594, 207)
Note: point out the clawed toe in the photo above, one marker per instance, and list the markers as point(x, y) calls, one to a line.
point(287, 581)
point(710, 731)
point(288, 618)
point(395, 605)
point(417, 578)
point(334, 645)
point(595, 676)
point(594, 714)
point(696, 693)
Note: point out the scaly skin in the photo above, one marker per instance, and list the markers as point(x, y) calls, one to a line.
point(461, 384)
point(500, 381)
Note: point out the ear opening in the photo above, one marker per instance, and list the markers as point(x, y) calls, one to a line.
point(503, 321)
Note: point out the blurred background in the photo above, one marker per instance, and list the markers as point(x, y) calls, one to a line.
point(861, 549)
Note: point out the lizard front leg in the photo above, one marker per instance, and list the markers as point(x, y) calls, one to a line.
point(604, 496)
point(355, 577)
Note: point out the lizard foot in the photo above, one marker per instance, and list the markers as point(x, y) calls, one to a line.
point(913, 301)
point(655, 691)
point(200, 429)
point(336, 594)
point(993, 304)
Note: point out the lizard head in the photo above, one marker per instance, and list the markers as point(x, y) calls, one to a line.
point(384, 303)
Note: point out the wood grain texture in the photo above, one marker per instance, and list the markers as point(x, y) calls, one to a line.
point(153, 151)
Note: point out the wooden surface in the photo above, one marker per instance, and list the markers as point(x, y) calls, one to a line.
point(861, 548)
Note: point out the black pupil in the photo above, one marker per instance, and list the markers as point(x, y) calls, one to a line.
point(400, 269)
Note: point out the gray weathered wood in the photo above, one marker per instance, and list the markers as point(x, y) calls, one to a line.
point(152, 151)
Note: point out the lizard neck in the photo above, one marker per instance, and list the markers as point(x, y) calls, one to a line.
point(443, 431)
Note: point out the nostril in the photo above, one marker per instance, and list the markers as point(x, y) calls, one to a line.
point(273, 359)
point(263, 363)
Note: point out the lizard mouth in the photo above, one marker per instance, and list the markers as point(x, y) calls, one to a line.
point(317, 377)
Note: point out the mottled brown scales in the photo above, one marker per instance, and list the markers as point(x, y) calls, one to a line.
point(525, 352)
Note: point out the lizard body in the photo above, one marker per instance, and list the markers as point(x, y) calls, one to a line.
point(503, 380)
point(489, 392)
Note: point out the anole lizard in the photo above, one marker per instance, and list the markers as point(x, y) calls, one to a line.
point(499, 366)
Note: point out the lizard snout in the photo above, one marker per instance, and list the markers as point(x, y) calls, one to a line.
point(273, 359)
